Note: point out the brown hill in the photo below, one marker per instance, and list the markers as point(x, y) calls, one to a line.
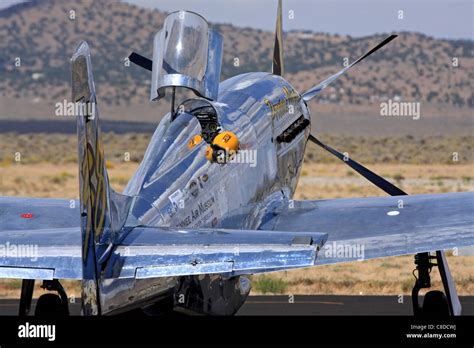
point(42, 35)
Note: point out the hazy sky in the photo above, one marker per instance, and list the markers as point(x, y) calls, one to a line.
point(438, 18)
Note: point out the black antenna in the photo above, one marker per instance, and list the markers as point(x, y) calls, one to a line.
point(173, 96)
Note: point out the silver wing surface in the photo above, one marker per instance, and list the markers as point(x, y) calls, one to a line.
point(367, 228)
point(41, 239)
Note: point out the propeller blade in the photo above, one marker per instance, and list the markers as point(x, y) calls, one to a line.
point(141, 61)
point(313, 91)
point(277, 66)
point(375, 179)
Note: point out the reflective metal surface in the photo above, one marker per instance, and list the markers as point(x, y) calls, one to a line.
point(380, 226)
point(102, 211)
point(43, 244)
point(190, 192)
point(176, 187)
point(186, 53)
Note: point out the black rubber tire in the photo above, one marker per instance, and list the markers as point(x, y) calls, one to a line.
point(50, 305)
point(435, 303)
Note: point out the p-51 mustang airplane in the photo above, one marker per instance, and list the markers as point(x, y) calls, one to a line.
point(211, 201)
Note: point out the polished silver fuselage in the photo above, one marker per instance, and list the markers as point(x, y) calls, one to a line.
point(176, 186)
point(173, 181)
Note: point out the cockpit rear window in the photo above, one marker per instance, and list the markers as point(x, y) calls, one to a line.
point(205, 113)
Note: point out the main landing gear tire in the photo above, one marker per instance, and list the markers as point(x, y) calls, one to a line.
point(435, 303)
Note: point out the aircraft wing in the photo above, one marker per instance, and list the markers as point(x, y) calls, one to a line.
point(367, 228)
point(378, 225)
point(40, 238)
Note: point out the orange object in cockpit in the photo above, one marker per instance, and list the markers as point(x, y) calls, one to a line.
point(194, 141)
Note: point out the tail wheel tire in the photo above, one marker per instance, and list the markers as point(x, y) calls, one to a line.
point(50, 305)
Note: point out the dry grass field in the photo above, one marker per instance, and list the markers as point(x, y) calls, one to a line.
point(58, 178)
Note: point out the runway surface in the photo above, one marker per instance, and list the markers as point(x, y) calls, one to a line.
point(304, 305)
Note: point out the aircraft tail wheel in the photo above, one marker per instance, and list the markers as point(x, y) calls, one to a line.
point(51, 305)
point(435, 303)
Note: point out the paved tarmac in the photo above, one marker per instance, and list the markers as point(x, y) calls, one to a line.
point(304, 305)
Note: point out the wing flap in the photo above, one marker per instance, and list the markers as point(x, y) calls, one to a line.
point(149, 252)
